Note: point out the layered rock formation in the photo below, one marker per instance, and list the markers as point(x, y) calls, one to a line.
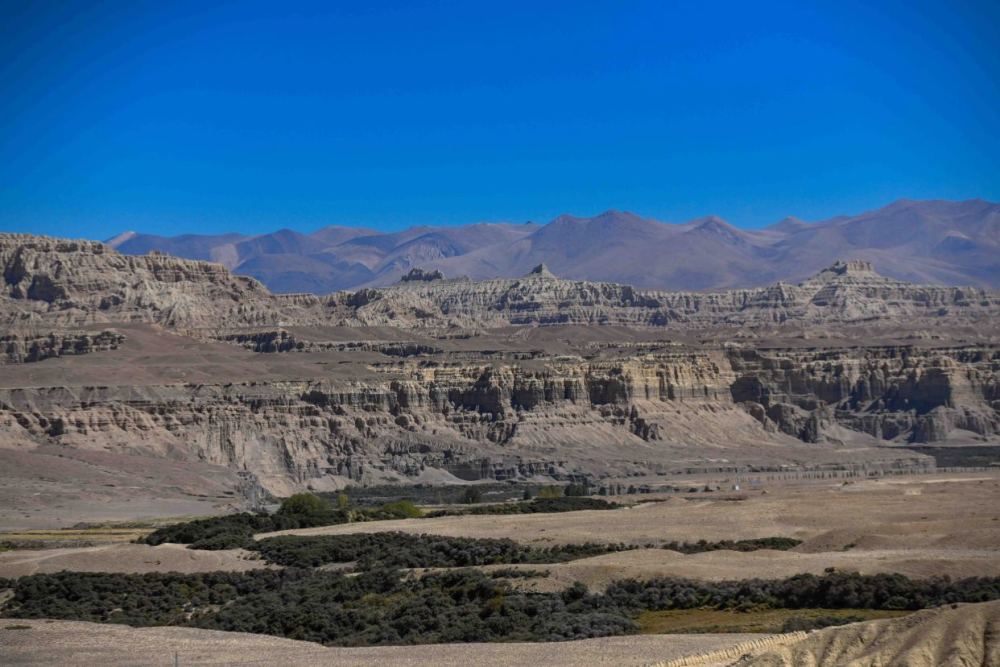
point(847, 292)
point(890, 393)
point(472, 421)
point(61, 282)
point(669, 411)
point(436, 379)
point(58, 282)
point(281, 340)
point(25, 348)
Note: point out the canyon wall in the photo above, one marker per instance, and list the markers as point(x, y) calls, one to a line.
point(436, 380)
point(891, 393)
point(560, 419)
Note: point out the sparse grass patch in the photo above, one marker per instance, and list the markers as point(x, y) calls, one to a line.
point(69, 537)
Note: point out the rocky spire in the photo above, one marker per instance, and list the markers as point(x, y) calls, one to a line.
point(541, 271)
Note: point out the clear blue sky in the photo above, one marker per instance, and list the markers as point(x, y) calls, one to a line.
point(171, 117)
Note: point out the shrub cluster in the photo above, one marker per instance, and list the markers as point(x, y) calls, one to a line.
point(393, 549)
point(381, 607)
point(518, 573)
point(701, 546)
point(135, 599)
point(374, 608)
point(536, 506)
point(432, 494)
point(302, 510)
point(833, 590)
point(232, 531)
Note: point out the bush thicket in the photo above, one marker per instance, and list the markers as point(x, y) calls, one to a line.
point(472, 495)
point(393, 549)
point(304, 510)
point(542, 504)
point(701, 546)
point(832, 590)
point(382, 607)
point(374, 608)
point(305, 504)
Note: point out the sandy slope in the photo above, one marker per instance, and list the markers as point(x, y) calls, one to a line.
point(964, 635)
point(75, 643)
point(124, 558)
point(599, 571)
point(929, 511)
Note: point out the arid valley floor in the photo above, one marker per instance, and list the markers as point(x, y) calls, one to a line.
point(917, 525)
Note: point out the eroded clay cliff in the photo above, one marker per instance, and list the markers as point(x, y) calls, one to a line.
point(60, 282)
point(437, 379)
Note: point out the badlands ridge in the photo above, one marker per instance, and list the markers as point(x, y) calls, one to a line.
point(206, 380)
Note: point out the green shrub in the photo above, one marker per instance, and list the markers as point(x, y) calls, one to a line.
point(221, 532)
point(224, 540)
point(394, 549)
point(374, 608)
point(430, 494)
point(401, 509)
point(569, 504)
point(381, 607)
point(235, 531)
point(701, 546)
point(305, 504)
point(538, 505)
point(835, 590)
point(517, 573)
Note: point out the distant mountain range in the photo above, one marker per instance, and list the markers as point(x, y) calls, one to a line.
point(938, 242)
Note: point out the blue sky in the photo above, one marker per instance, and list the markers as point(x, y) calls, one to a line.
point(174, 117)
